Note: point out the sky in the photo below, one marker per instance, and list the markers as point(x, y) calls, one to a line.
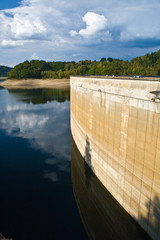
point(73, 30)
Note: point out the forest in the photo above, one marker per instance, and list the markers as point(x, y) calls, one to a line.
point(147, 65)
point(4, 71)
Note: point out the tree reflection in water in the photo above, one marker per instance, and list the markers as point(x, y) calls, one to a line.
point(41, 95)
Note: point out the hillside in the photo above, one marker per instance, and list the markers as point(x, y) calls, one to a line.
point(148, 65)
point(4, 71)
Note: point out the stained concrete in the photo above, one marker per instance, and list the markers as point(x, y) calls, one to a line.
point(119, 120)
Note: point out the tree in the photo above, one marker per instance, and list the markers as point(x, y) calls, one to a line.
point(148, 64)
point(103, 59)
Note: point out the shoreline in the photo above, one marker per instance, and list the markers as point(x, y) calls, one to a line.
point(35, 83)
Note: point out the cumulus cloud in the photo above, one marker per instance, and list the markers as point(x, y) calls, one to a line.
point(23, 26)
point(94, 24)
point(59, 30)
point(32, 20)
point(20, 25)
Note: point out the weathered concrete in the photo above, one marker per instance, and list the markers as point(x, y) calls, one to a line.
point(116, 126)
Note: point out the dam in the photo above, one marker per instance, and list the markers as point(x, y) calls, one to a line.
point(115, 123)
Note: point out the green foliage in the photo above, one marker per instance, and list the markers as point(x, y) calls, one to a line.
point(103, 59)
point(27, 69)
point(148, 65)
point(4, 71)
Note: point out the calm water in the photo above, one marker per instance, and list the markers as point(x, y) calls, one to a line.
point(36, 198)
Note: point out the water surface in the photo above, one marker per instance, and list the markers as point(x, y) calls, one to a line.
point(36, 200)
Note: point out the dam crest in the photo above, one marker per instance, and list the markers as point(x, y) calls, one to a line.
point(115, 124)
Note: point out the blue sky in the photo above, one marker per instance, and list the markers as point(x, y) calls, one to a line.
point(8, 4)
point(67, 30)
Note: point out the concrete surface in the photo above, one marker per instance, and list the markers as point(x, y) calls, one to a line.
point(116, 126)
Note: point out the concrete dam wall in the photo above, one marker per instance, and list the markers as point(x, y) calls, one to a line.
point(116, 126)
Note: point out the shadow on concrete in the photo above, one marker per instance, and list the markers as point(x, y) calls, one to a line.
point(87, 155)
point(152, 221)
point(88, 160)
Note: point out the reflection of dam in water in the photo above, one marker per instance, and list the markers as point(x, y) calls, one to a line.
point(116, 126)
point(102, 215)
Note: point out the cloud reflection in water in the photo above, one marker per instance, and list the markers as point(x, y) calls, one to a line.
point(52, 176)
point(45, 126)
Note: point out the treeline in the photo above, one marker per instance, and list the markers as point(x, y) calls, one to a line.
point(148, 65)
point(4, 71)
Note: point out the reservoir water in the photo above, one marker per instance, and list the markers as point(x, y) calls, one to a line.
point(46, 187)
point(36, 198)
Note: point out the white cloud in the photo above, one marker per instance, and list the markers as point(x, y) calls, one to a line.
point(25, 25)
point(28, 21)
point(94, 24)
point(34, 56)
point(14, 43)
point(59, 30)
point(73, 33)
point(25, 2)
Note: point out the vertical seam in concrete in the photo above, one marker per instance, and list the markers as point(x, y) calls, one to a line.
point(143, 167)
point(134, 159)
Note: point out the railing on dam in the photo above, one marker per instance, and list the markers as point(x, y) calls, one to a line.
point(116, 126)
